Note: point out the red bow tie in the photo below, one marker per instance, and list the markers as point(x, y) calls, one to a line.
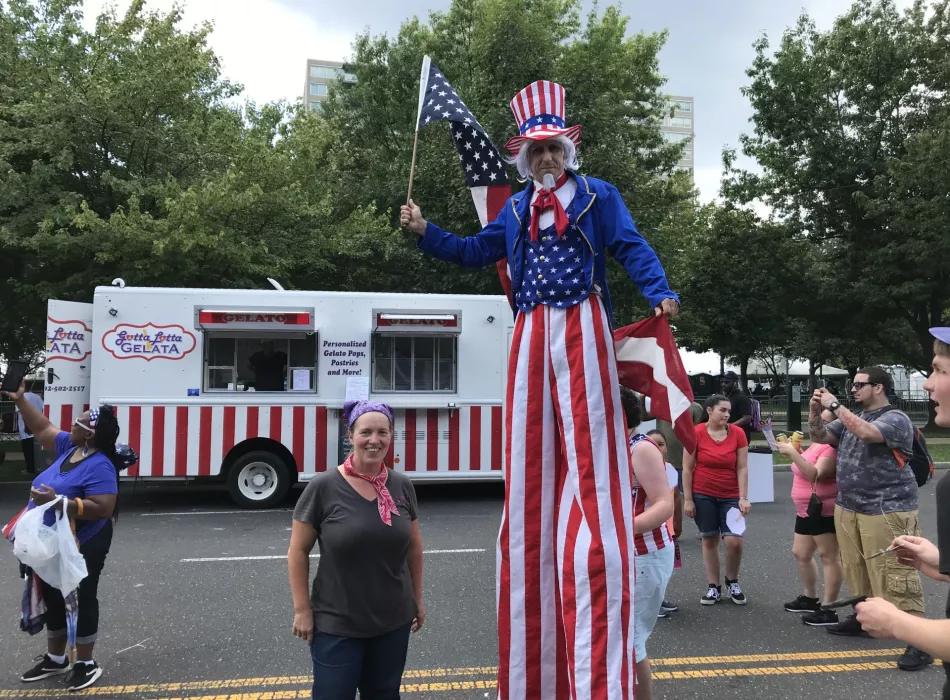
point(548, 200)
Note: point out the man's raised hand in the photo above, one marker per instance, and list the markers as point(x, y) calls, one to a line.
point(410, 218)
point(668, 308)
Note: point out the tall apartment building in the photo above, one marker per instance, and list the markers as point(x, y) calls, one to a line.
point(679, 127)
point(320, 74)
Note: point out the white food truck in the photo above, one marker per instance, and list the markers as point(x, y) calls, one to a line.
point(248, 385)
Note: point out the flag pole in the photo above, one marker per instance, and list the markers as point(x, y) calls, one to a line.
point(423, 84)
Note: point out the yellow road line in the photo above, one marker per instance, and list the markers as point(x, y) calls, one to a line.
point(489, 684)
point(773, 671)
point(764, 658)
point(428, 679)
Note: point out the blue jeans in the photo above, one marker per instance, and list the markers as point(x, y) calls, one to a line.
point(374, 666)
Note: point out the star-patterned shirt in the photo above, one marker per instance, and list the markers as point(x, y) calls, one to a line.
point(553, 273)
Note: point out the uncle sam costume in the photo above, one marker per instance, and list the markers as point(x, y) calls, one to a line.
point(565, 574)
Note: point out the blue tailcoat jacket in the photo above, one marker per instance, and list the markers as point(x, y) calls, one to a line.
point(605, 225)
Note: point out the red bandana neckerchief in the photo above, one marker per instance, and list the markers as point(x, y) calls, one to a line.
point(548, 200)
point(384, 500)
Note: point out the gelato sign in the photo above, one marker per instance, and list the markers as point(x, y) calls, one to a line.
point(67, 340)
point(148, 342)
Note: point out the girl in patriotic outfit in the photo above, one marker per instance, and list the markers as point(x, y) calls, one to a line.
point(653, 546)
point(565, 576)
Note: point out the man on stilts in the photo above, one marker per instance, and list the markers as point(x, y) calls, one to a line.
point(565, 548)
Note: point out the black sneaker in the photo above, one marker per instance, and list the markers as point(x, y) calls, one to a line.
point(849, 628)
point(914, 659)
point(803, 604)
point(83, 675)
point(668, 607)
point(44, 669)
point(662, 614)
point(821, 618)
point(713, 595)
point(735, 593)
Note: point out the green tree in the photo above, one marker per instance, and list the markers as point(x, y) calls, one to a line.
point(93, 124)
point(850, 132)
point(741, 280)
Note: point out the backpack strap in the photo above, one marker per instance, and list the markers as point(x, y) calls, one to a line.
point(898, 455)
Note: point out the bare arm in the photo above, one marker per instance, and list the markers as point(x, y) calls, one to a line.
point(302, 539)
point(883, 620)
point(824, 468)
point(677, 513)
point(38, 424)
point(933, 636)
point(93, 507)
point(859, 427)
point(742, 472)
point(817, 431)
point(651, 473)
point(689, 464)
point(414, 559)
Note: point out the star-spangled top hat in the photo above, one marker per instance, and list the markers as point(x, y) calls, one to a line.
point(539, 111)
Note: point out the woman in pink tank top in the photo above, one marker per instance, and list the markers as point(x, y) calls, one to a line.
point(814, 489)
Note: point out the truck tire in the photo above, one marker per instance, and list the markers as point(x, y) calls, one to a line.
point(258, 479)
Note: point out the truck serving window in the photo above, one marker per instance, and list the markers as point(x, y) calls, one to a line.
point(276, 362)
point(414, 363)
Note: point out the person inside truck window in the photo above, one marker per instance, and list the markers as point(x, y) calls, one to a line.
point(367, 595)
point(86, 473)
point(269, 367)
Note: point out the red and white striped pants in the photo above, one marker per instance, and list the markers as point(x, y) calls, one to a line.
point(565, 549)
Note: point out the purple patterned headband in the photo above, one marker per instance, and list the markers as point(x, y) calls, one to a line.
point(352, 410)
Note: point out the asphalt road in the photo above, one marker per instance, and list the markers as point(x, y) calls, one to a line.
point(195, 604)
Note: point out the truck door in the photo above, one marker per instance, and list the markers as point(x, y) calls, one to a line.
point(68, 361)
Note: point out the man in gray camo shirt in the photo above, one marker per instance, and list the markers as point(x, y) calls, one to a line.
point(877, 497)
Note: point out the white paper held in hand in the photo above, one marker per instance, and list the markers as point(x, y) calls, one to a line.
point(736, 521)
point(770, 436)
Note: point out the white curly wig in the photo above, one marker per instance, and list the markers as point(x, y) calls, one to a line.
point(523, 166)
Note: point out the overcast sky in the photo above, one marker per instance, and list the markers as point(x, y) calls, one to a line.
point(264, 45)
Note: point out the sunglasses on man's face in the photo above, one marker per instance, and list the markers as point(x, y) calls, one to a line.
point(857, 386)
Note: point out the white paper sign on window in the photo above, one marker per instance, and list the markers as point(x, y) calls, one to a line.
point(357, 388)
point(301, 380)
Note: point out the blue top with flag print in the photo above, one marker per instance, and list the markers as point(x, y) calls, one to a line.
point(553, 273)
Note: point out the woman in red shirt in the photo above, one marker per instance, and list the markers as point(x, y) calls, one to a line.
point(716, 480)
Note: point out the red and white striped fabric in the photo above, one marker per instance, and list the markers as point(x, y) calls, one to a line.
point(649, 363)
point(192, 441)
point(565, 547)
point(539, 112)
point(658, 538)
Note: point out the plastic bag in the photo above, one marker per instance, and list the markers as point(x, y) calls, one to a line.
point(50, 550)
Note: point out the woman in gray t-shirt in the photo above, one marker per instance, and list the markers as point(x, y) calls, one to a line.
point(367, 594)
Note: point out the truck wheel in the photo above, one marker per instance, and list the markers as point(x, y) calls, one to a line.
point(259, 479)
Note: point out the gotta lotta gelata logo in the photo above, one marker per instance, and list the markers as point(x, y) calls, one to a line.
point(148, 342)
point(67, 340)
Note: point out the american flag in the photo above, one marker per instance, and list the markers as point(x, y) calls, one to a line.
point(481, 163)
